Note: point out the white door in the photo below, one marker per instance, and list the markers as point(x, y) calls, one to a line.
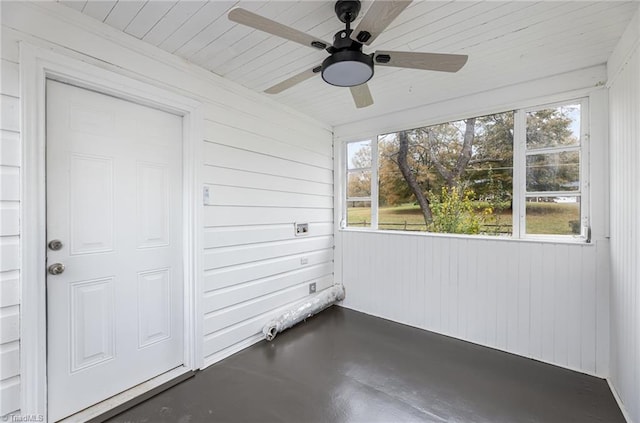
point(114, 191)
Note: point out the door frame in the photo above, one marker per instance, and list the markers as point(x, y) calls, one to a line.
point(36, 66)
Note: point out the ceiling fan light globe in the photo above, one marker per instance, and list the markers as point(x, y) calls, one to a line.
point(347, 68)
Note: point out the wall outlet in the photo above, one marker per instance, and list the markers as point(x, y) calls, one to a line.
point(301, 228)
point(312, 288)
point(304, 260)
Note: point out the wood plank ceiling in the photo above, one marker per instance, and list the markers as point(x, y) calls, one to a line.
point(507, 43)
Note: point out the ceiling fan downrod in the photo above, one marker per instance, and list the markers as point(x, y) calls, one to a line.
point(347, 11)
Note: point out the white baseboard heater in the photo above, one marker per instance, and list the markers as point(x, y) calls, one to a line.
point(303, 310)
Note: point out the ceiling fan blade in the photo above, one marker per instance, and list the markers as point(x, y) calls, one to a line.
point(377, 19)
point(244, 17)
point(361, 96)
point(425, 61)
point(294, 80)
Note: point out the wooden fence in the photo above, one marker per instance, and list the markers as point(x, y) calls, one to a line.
point(406, 226)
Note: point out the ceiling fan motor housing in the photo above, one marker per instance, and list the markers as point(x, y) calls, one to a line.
point(347, 66)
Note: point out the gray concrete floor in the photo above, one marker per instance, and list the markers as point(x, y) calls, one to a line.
point(345, 366)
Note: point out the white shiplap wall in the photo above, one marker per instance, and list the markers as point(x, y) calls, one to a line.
point(624, 107)
point(266, 167)
point(259, 184)
point(541, 300)
point(9, 230)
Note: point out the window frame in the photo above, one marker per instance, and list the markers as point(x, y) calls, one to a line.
point(374, 184)
point(519, 177)
point(520, 153)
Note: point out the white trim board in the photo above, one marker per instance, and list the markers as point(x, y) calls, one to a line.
point(37, 65)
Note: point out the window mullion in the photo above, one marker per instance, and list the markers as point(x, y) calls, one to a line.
point(519, 172)
point(344, 183)
point(585, 161)
point(374, 183)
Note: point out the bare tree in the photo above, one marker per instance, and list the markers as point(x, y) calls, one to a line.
point(409, 176)
point(452, 176)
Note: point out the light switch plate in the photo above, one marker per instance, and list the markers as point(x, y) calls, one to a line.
point(206, 197)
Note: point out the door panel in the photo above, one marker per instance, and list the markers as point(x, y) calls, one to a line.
point(92, 320)
point(114, 200)
point(91, 204)
point(154, 307)
point(153, 205)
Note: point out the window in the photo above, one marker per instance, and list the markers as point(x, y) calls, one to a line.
point(460, 172)
point(359, 166)
point(552, 183)
point(518, 173)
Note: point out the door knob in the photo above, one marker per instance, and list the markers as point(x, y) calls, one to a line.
point(56, 268)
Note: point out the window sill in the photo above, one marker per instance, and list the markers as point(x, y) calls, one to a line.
point(537, 239)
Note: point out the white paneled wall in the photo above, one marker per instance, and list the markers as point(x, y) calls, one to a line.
point(624, 108)
point(541, 300)
point(9, 230)
point(259, 184)
point(261, 179)
point(265, 166)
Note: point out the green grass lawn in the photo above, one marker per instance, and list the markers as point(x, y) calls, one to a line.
point(542, 218)
point(553, 218)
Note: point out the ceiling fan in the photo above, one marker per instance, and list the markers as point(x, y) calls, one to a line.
point(347, 65)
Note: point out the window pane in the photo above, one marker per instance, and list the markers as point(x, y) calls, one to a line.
point(406, 217)
point(553, 172)
point(359, 184)
point(359, 155)
point(554, 127)
point(359, 214)
point(463, 168)
point(553, 215)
